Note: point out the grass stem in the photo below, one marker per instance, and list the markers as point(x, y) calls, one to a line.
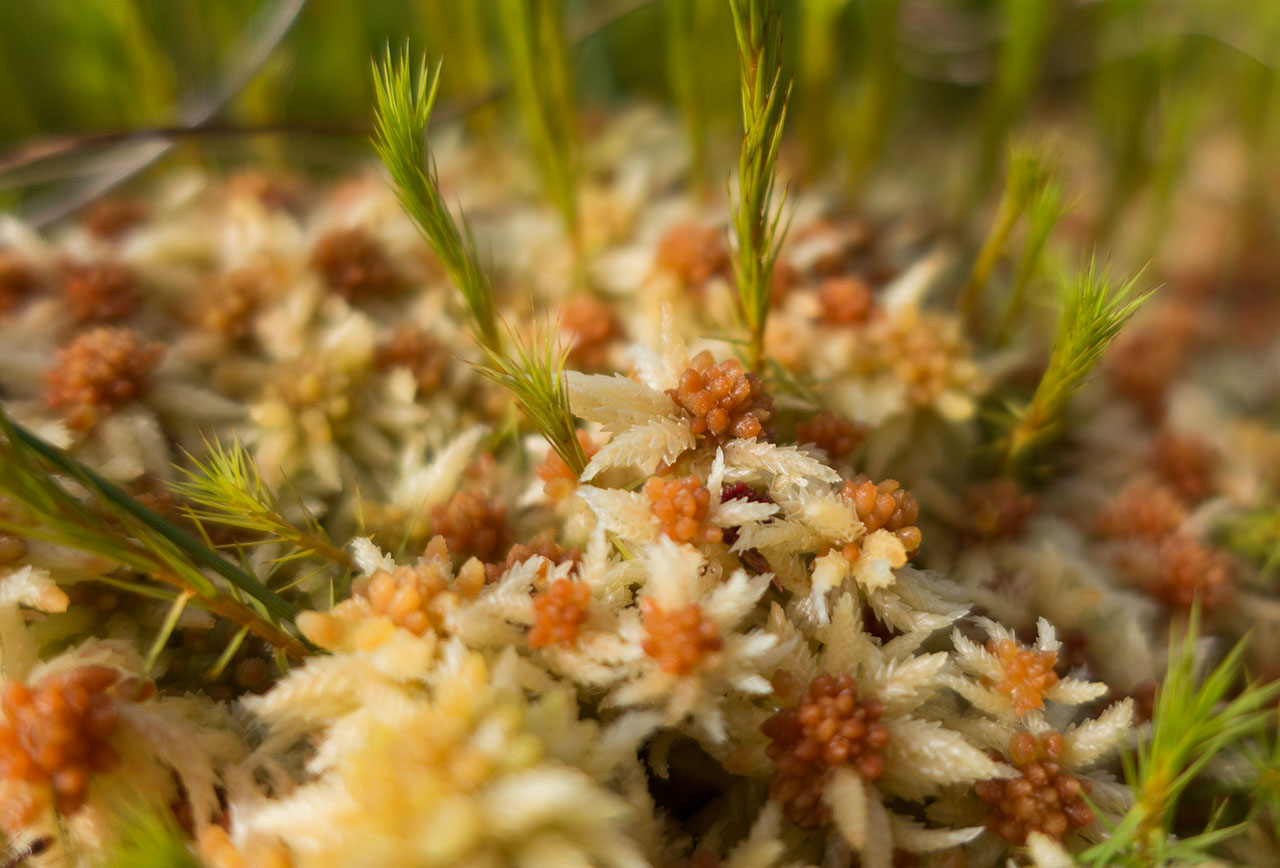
point(758, 226)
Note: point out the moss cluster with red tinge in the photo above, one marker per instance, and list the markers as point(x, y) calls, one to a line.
point(885, 505)
point(100, 371)
point(56, 735)
point(679, 639)
point(559, 613)
point(1027, 673)
point(1042, 798)
point(473, 525)
point(828, 728)
point(680, 506)
point(723, 399)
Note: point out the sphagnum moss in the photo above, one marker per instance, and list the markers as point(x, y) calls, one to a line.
point(891, 587)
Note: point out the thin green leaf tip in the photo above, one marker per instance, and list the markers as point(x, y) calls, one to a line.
point(1093, 313)
point(758, 227)
point(405, 97)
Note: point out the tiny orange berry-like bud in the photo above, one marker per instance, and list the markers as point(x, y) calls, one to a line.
point(723, 399)
point(830, 726)
point(1189, 569)
point(680, 506)
point(407, 595)
point(473, 525)
point(998, 509)
point(1027, 674)
point(542, 545)
point(680, 640)
point(55, 734)
point(884, 505)
point(559, 613)
point(593, 327)
point(1043, 798)
point(99, 292)
point(693, 254)
point(1186, 463)
point(833, 434)
point(1143, 510)
point(354, 265)
point(845, 301)
point(424, 356)
point(100, 371)
point(558, 479)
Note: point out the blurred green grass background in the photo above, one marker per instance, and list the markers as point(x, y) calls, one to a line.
point(1138, 79)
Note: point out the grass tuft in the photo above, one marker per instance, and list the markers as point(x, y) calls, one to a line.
point(1093, 313)
point(535, 374)
point(757, 225)
point(1195, 719)
point(111, 525)
point(1027, 181)
point(225, 487)
point(405, 98)
point(535, 378)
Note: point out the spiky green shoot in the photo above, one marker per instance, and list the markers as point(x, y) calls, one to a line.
point(758, 227)
point(225, 487)
point(538, 54)
point(1025, 181)
point(1093, 313)
point(1194, 720)
point(1048, 207)
point(113, 526)
point(405, 98)
point(535, 378)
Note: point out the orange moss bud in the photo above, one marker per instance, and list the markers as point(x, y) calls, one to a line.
point(829, 727)
point(681, 507)
point(724, 400)
point(679, 640)
point(98, 372)
point(354, 265)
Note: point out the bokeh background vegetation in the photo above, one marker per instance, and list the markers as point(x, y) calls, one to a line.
point(930, 88)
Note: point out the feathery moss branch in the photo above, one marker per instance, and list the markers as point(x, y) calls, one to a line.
point(1092, 315)
point(226, 488)
point(122, 531)
point(757, 227)
point(538, 53)
point(404, 103)
point(534, 376)
point(1192, 723)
